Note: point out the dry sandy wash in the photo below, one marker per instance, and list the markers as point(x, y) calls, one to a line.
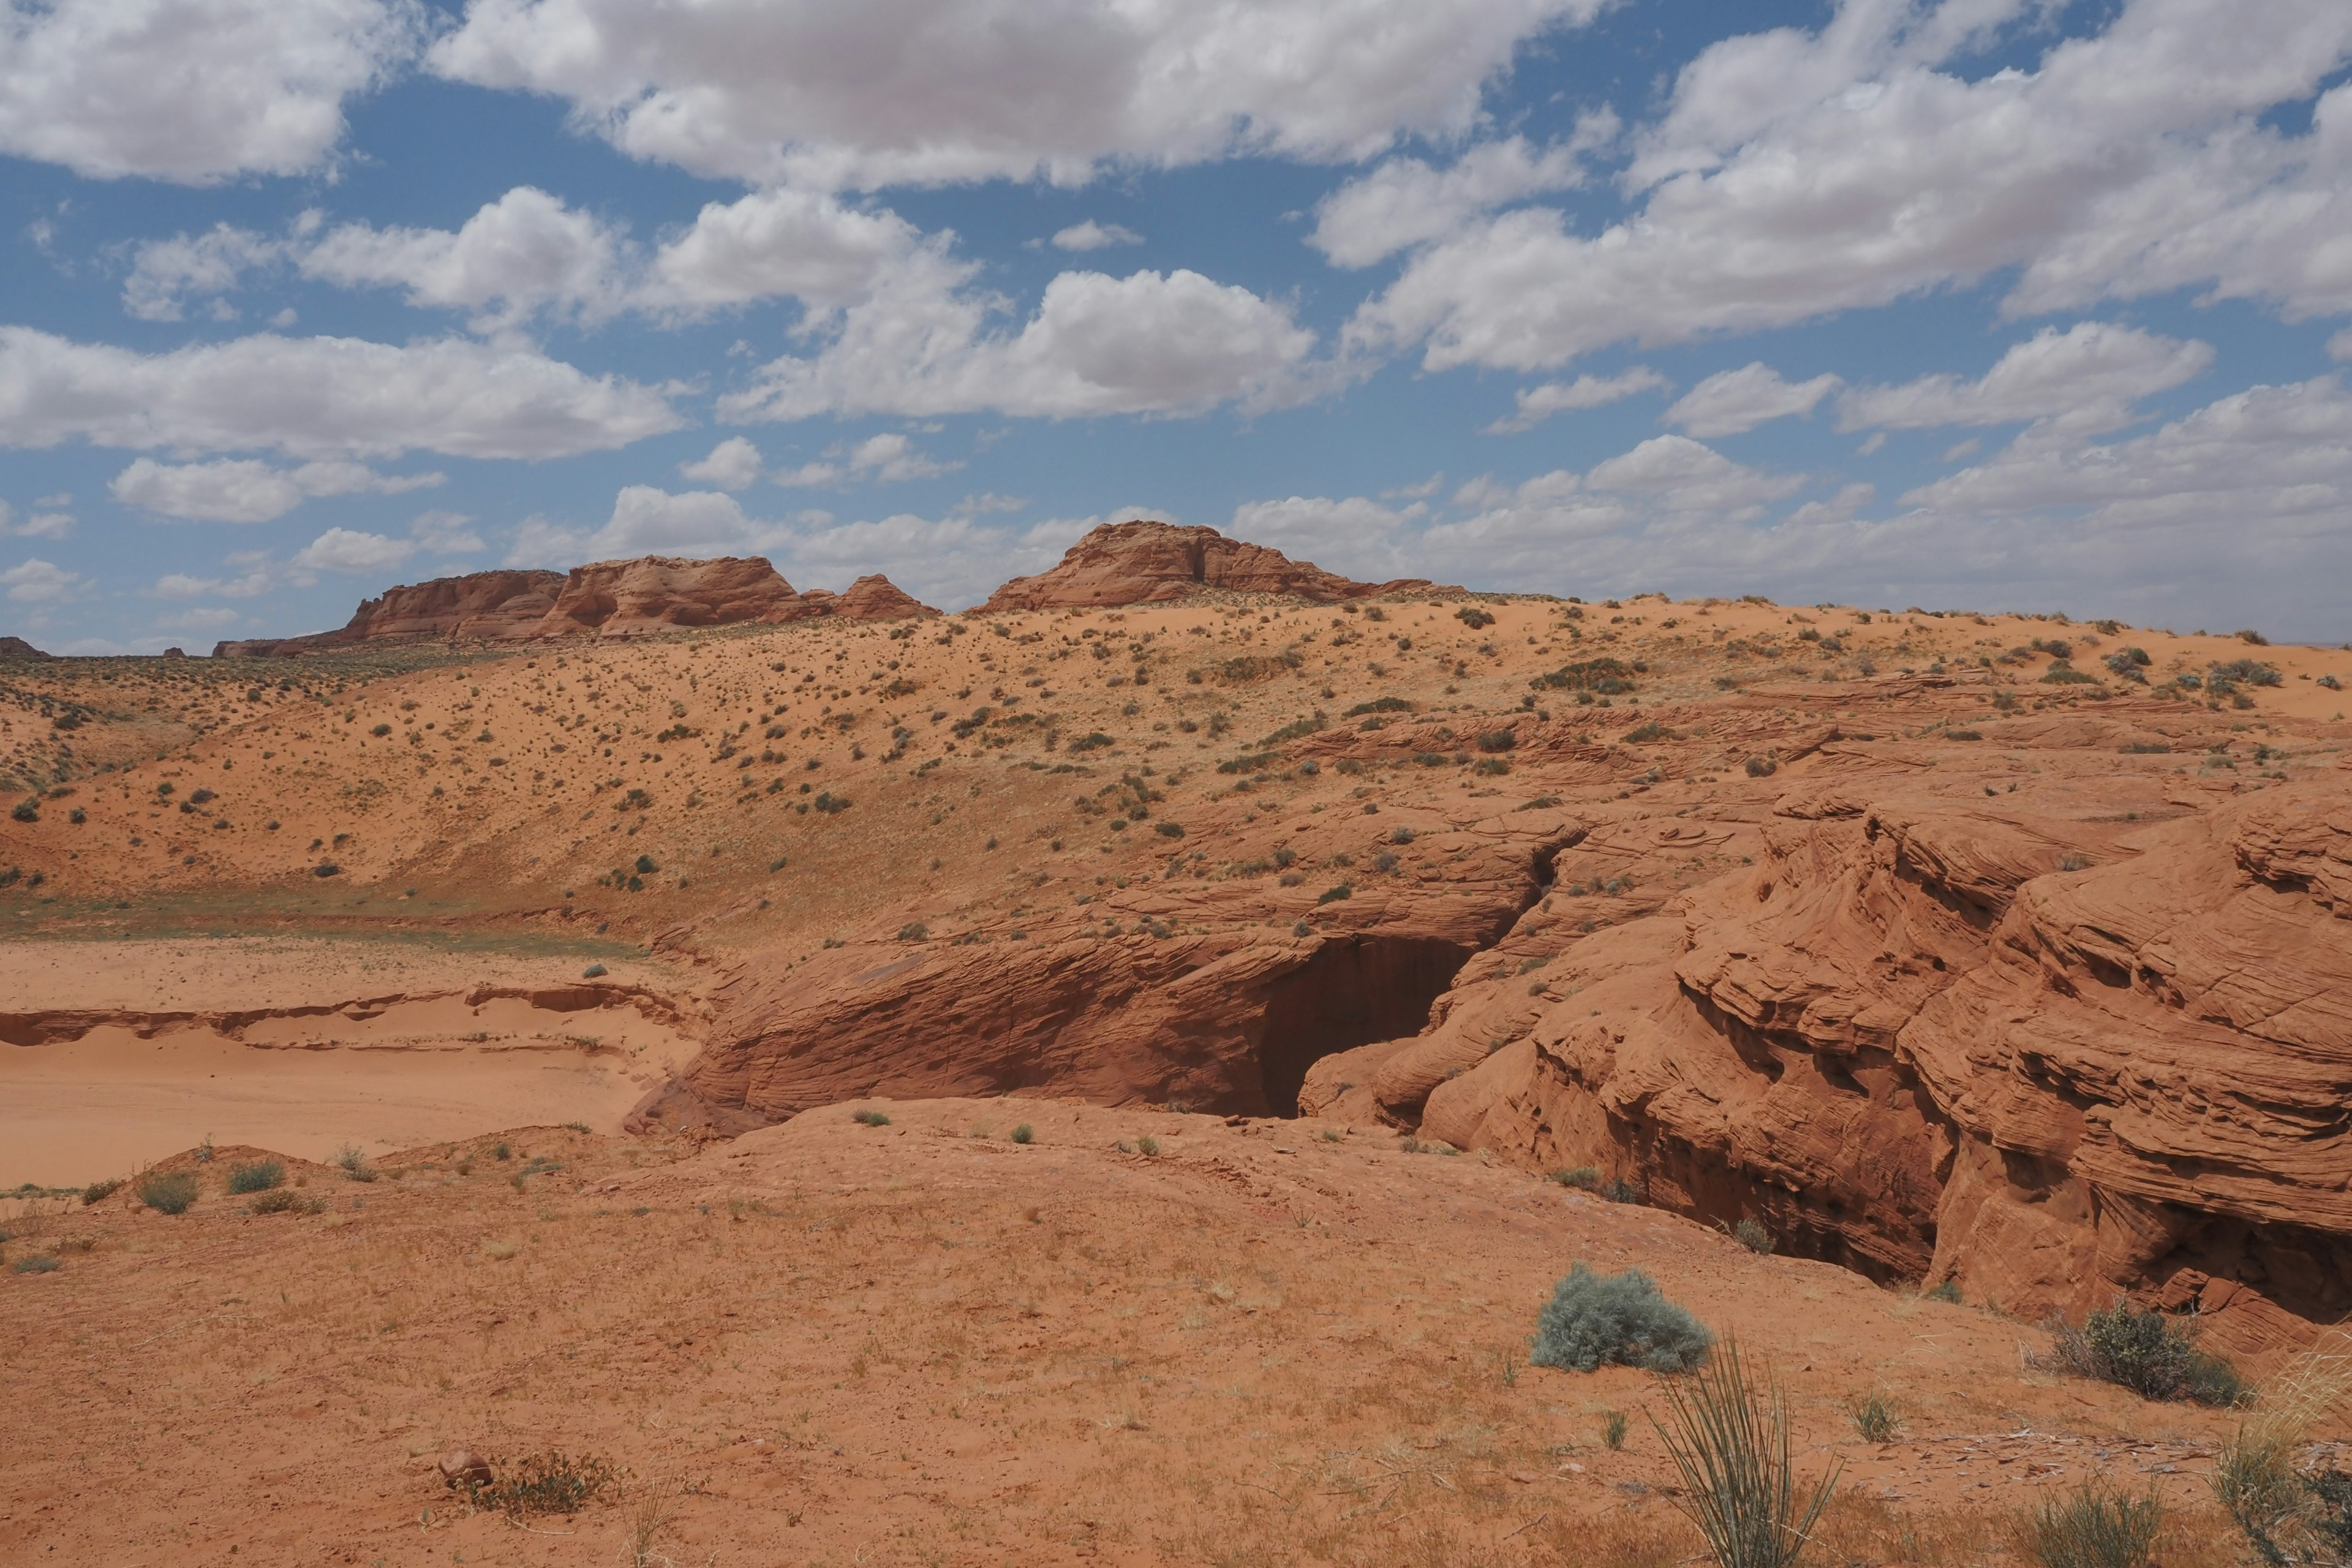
point(1992, 954)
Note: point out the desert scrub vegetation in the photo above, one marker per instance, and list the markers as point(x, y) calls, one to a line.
point(550, 1482)
point(1619, 1320)
point(167, 1192)
point(257, 1177)
point(1729, 1441)
point(2287, 1512)
point(2095, 1526)
point(870, 1118)
point(2153, 1355)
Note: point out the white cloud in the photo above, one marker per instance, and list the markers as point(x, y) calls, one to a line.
point(799, 243)
point(195, 92)
point(2269, 457)
point(1093, 236)
point(1799, 175)
point(1405, 201)
point(445, 533)
point(164, 272)
point(527, 251)
point(1150, 343)
point(318, 397)
point(732, 465)
point(247, 491)
point(1731, 401)
point(2085, 378)
point(1352, 536)
point(39, 582)
point(2339, 347)
point(43, 524)
point(256, 575)
point(936, 90)
point(346, 549)
point(885, 457)
point(1537, 404)
point(214, 620)
point(1683, 475)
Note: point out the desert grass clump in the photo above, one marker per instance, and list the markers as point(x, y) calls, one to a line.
point(1024, 1133)
point(40, 1263)
point(167, 1192)
point(257, 1177)
point(2095, 1526)
point(1730, 1443)
point(286, 1200)
point(550, 1482)
point(1875, 1420)
point(870, 1118)
point(354, 1164)
point(1622, 1319)
point(651, 1507)
point(1612, 1429)
point(2144, 1350)
point(98, 1192)
point(1586, 1178)
point(1948, 1292)
point(1753, 1237)
point(2287, 1515)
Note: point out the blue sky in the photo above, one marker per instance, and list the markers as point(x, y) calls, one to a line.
point(1990, 303)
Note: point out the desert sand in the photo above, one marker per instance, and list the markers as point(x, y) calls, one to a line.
point(1986, 951)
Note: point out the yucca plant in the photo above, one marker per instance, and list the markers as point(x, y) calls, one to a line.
point(1731, 1441)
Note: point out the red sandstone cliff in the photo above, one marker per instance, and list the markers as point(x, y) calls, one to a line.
point(1152, 563)
point(604, 598)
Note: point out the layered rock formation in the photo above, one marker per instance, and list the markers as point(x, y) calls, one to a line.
point(604, 598)
point(1154, 563)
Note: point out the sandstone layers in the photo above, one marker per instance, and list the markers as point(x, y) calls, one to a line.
point(1156, 563)
point(605, 598)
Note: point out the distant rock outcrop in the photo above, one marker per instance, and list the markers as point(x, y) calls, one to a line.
point(602, 598)
point(18, 647)
point(1152, 563)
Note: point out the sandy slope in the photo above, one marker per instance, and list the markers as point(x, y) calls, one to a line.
point(925, 1343)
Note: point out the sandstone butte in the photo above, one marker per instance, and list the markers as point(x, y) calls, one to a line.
point(1949, 947)
point(1144, 562)
point(604, 598)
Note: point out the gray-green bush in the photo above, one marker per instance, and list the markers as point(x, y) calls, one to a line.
point(167, 1192)
point(1621, 1319)
point(2153, 1355)
point(257, 1177)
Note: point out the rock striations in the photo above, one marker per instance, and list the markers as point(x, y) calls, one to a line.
point(1154, 563)
point(604, 598)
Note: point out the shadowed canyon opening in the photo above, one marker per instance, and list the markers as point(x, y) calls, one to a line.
point(1351, 993)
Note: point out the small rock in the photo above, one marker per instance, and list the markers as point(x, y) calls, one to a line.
point(592, 971)
point(462, 1466)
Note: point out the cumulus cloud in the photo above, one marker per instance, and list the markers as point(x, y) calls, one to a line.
point(1405, 201)
point(347, 550)
point(166, 272)
point(2269, 455)
point(732, 465)
point(1537, 404)
point(807, 245)
point(192, 90)
point(1093, 236)
point(318, 398)
point(39, 582)
point(445, 533)
point(1797, 175)
point(527, 251)
point(936, 90)
point(1732, 401)
point(1169, 342)
point(247, 491)
point(885, 457)
point(2085, 378)
point(45, 521)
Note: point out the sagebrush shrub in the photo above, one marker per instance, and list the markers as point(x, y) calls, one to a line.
point(168, 1192)
point(1622, 1319)
point(2153, 1355)
point(257, 1177)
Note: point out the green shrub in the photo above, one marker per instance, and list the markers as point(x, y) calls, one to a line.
point(1762, 767)
point(1620, 1319)
point(2153, 1355)
point(1023, 1134)
point(286, 1200)
point(41, 1264)
point(1333, 895)
point(168, 1192)
point(870, 1118)
point(98, 1192)
point(1753, 1237)
point(2096, 1527)
point(257, 1177)
point(1618, 1190)
point(1730, 1443)
point(1498, 741)
point(1612, 1429)
point(354, 1164)
point(1587, 1177)
point(1948, 1291)
point(1148, 1146)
